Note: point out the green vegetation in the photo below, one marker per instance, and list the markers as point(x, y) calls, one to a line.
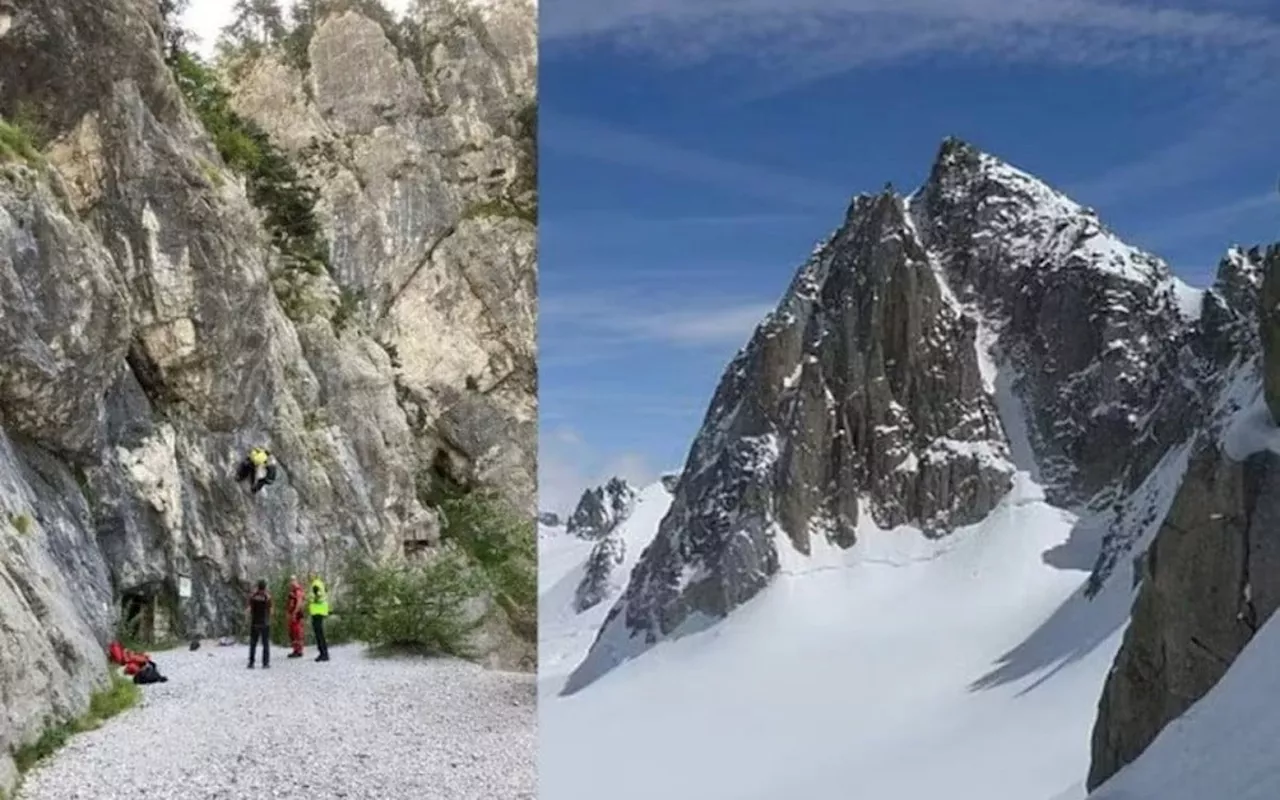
point(21, 523)
point(414, 607)
point(212, 173)
point(274, 185)
point(121, 695)
point(520, 200)
point(504, 545)
point(348, 310)
point(498, 207)
point(335, 630)
point(18, 144)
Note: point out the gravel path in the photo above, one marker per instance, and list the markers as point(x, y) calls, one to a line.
point(356, 727)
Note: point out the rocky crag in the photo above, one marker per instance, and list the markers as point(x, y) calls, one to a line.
point(597, 517)
point(932, 347)
point(1211, 576)
point(155, 321)
point(601, 509)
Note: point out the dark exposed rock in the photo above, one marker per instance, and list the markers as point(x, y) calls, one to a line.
point(600, 567)
point(884, 382)
point(1090, 325)
point(1270, 331)
point(1211, 577)
point(1192, 616)
point(601, 510)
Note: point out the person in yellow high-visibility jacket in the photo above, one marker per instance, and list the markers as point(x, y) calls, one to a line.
point(259, 467)
point(318, 608)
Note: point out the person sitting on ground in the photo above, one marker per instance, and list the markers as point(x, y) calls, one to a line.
point(259, 467)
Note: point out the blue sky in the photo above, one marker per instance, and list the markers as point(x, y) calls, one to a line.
point(692, 152)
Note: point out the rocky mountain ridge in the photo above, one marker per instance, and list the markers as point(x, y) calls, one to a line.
point(601, 509)
point(1210, 577)
point(152, 329)
point(930, 348)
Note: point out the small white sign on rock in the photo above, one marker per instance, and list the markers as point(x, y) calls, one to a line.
point(184, 586)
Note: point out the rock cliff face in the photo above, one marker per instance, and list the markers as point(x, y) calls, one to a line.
point(1211, 577)
point(931, 347)
point(427, 185)
point(145, 347)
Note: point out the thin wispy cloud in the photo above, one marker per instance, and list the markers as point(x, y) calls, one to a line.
point(610, 223)
point(1238, 129)
point(1229, 53)
point(718, 326)
point(1213, 220)
point(608, 320)
point(585, 138)
point(567, 466)
point(807, 35)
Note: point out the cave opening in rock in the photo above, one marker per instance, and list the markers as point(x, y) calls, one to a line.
point(145, 617)
point(137, 616)
point(416, 549)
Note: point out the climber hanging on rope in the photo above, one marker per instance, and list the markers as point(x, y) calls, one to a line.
point(259, 467)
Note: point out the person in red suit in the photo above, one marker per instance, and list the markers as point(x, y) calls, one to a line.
point(293, 610)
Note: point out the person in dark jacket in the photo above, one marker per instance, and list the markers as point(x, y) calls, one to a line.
point(258, 610)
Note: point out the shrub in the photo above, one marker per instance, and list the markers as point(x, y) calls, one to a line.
point(417, 607)
point(17, 144)
point(503, 543)
point(274, 185)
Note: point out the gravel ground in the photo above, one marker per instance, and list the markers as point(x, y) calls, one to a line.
point(355, 727)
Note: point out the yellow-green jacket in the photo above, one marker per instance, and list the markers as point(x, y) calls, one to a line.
point(318, 605)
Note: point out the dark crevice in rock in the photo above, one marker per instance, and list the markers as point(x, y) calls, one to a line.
point(149, 377)
point(422, 264)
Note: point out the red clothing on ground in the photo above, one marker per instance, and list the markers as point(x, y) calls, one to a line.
point(131, 661)
point(293, 610)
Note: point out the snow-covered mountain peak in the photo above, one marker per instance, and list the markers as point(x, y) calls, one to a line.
point(601, 509)
point(931, 350)
point(1025, 222)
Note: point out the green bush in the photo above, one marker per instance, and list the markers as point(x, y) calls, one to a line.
point(17, 144)
point(121, 695)
point(504, 544)
point(417, 607)
point(274, 185)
